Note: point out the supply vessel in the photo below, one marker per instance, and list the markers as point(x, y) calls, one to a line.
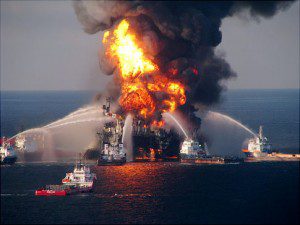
point(7, 152)
point(81, 180)
point(259, 149)
point(193, 152)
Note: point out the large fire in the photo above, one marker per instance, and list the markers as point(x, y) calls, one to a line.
point(145, 90)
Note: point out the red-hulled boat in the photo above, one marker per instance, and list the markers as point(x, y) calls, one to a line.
point(80, 181)
point(61, 190)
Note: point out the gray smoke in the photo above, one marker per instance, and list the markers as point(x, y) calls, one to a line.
point(179, 35)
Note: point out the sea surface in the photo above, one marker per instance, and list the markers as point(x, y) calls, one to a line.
point(158, 192)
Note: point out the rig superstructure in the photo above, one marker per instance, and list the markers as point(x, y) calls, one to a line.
point(110, 139)
point(151, 142)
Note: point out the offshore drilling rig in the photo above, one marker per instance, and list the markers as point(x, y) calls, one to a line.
point(150, 141)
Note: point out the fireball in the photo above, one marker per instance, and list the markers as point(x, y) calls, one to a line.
point(144, 89)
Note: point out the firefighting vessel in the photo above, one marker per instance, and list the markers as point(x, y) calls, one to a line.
point(81, 180)
point(194, 152)
point(7, 152)
point(110, 140)
point(30, 147)
point(259, 149)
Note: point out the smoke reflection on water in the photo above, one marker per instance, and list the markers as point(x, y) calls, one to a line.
point(225, 135)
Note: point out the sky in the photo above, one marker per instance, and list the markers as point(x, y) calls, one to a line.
point(43, 47)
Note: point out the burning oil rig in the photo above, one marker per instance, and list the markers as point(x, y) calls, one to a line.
point(150, 141)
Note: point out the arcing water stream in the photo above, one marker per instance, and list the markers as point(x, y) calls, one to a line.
point(88, 110)
point(220, 116)
point(225, 135)
point(72, 133)
point(177, 123)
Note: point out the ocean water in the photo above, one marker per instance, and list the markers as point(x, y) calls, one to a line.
point(22, 110)
point(147, 193)
point(162, 192)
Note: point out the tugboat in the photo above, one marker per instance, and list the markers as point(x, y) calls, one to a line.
point(110, 140)
point(7, 152)
point(193, 152)
point(80, 181)
point(259, 150)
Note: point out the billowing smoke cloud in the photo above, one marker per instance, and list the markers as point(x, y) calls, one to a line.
point(179, 35)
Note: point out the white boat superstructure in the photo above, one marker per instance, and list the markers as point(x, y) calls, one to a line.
point(194, 152)
point(258, 146)
point(81, 176)
point(259, 149)
point(191, 148)
point(7, 153)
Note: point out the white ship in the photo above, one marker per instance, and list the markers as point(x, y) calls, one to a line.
point(260, 149)
point(192, 149)
point(193, 152)
point(7, 152)
point(81, 176)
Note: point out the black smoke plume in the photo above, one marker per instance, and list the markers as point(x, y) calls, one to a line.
point(179, 35)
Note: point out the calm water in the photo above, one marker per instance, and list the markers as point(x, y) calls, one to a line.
point(158, 192)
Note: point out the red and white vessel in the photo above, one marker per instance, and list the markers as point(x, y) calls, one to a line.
point(81, 180)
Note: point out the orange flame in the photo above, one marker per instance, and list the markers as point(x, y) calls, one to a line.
point(140, 78)
point(158, 123)
point(130, 57)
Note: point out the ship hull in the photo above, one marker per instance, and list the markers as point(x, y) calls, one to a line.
point(43, 192)
point(102, 162)
point(9, 160)
point(209, 160)
point(202, 161)
point(281, 158)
